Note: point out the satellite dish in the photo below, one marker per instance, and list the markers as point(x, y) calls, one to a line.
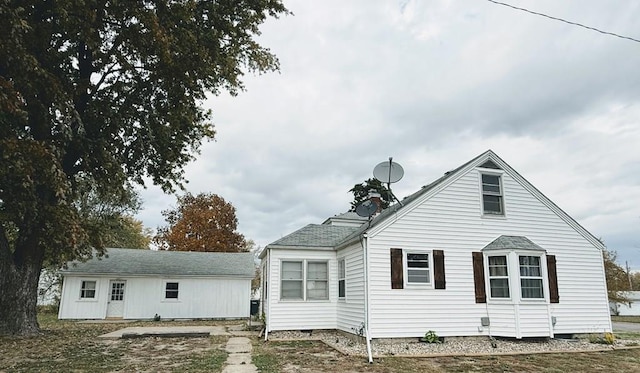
point(388, 172)
point(366, 209)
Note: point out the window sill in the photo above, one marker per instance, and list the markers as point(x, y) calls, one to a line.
point(87, 300)
point(494, 216)
point(305, 301)
point(170, 301)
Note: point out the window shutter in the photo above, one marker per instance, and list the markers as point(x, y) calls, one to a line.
point(438, 269)
point(554, 297)
point(478, 277)
point(397, 280)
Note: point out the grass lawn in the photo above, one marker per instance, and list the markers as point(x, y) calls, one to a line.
point(67, 346)
point(626, 318)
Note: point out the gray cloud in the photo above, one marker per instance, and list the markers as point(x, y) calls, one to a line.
point(432, 84)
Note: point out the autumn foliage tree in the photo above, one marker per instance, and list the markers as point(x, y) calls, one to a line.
point(617, 278)
point(205, 222)
point(109, 92)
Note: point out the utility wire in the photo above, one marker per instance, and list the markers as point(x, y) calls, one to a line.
point(565, 21)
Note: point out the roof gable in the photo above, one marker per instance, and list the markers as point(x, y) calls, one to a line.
point(166, 263)
point(487, 159)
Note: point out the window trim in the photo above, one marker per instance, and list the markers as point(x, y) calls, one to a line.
point(540, 278)
point(500, 194)
point(166, 291)
point(507, 277)
point(304, 282)
point(514, 277)
point(429, 269)
point(83, 296)
point(342, 278)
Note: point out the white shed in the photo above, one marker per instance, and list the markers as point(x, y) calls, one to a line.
point(478, 252)
point(138, 284)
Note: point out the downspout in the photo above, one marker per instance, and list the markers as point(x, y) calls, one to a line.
point(268, 295)
point(365, 259)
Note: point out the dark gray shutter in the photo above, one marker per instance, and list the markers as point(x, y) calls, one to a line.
point(478, 277)
point(397, 278)
point(554, 297)
point(438, 269)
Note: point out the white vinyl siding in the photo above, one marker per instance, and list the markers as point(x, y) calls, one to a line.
point(450, 221)
point(350, 311)
point(285, 314)
point(145, 296)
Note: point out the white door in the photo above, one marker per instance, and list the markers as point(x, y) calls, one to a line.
point(115, 304)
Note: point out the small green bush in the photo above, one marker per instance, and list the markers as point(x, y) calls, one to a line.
point(431, 337)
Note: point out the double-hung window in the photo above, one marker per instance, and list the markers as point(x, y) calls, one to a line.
point(88, 290)
point(171, 290)
point(418, 268)
point(498, 276)
point(342, 288)
point(531, 277)
point(492, 201)
point(304, 280)
point(292, 280)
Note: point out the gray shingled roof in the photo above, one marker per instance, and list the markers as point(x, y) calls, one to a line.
point(512, 242)
point(315, 235)
point(170, 263)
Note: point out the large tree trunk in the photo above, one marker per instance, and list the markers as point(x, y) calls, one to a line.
point(19, 275)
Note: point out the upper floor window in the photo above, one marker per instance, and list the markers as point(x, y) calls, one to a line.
point(492, 201)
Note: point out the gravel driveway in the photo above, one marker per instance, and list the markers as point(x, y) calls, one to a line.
point(626, 326)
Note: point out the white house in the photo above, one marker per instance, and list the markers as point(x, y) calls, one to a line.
point(632, 308)
point(138, 284)
point(478, 252)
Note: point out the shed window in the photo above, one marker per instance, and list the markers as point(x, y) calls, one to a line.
point(171, 290)
point(342, 288)
point(492, 202)
point(531, 277)
point(498, 277)
point(88, 290)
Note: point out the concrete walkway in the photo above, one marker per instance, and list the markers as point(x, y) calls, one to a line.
point(166, 331)
point(239, 359)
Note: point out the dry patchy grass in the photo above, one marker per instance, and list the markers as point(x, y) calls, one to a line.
point(67, 346)
point(635, 319)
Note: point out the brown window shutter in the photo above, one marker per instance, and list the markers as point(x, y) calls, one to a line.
point(397, 280)
point(478, 277)
point(554, 297)
point(438, 269)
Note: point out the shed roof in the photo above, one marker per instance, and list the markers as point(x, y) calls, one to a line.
point(166, 263)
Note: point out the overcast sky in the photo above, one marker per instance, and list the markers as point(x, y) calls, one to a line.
point(433, 84)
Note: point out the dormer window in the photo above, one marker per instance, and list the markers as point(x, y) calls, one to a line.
point(492, 201)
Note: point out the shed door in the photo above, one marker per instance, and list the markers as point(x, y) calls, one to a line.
point(115, 304)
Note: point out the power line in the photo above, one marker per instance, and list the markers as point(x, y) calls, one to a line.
point(565, 21)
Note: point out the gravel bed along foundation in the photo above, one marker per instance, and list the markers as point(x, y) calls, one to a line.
point(451, 346)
